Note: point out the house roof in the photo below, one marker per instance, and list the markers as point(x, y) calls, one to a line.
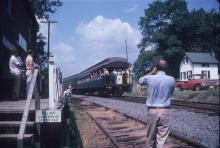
point(201, 57)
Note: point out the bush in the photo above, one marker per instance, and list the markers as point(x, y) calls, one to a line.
point(207, 96)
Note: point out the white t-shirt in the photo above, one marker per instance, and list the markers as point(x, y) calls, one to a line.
point(13, 65)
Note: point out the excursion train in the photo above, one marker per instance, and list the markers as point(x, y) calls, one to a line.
point(111, 76)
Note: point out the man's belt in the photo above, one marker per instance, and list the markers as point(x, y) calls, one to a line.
point(158, 107)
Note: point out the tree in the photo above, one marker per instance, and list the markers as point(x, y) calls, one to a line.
point(43, 8)
point(175, 30)
point(158, 26)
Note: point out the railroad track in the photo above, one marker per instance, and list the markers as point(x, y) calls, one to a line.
point(197, 105)
point(210, 108)
point(124, 131)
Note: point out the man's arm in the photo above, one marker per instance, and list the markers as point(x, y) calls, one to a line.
point(143, 80)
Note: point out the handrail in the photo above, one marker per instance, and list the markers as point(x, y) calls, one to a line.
point(33, 89)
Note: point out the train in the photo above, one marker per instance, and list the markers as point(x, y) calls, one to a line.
point(112, 76)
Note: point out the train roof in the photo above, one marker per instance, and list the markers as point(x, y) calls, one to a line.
point(106, 63)
point(67, 79)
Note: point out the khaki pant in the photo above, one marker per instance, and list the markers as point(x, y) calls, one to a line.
point(17, 85)
point(158, 127)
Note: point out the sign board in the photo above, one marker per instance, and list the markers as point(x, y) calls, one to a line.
point(119, 80)
point(44, 116)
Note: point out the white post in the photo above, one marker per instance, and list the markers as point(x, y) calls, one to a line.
point(51, 84)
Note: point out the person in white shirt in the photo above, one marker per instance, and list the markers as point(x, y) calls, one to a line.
point(15, 70)
point(29, 69)
point(69, 91)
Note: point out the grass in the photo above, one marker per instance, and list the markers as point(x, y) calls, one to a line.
point(90, 135)
point(206, 96)
point(75, 139)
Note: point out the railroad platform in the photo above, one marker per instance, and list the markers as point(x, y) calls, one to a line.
point(9, 105)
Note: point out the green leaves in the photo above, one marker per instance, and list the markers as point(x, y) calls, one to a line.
point(43, 8)
point(175, 30)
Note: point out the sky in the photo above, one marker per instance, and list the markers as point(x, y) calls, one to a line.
point(88, 31)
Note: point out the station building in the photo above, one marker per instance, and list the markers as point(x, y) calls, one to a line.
point(18, 30)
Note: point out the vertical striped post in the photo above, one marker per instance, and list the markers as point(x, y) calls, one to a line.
point(51, 84)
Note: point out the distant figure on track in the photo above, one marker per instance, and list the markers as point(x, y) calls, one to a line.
point(160, 89)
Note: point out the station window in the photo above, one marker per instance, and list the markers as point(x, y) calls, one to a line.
point(9, 7)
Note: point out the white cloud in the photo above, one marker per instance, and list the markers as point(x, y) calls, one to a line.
point(106, 37)
point(94, 41)
point(63, 53)
point(131, 9)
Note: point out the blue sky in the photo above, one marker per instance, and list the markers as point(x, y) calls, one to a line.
point(89, 31)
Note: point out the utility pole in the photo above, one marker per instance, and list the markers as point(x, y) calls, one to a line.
point(48, 37)
point(126, 48)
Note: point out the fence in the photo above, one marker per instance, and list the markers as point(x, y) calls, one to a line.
point(55, 84)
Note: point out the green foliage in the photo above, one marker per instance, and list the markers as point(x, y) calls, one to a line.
point(175, 30)
point(206, 96)
point(43, 8)
point(138, 64)
point(42, 55)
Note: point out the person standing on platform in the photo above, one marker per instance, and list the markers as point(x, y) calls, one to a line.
point(23, 77)
point(29, 70)
point(15, 70)
point(160, 89)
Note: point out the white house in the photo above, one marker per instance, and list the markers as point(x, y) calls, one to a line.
point(198, 63)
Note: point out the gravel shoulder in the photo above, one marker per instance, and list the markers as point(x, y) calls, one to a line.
point(199, 127)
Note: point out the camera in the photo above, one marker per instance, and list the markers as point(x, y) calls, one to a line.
point(148, 66)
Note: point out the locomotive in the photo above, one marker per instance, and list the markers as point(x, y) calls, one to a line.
point(110, 76)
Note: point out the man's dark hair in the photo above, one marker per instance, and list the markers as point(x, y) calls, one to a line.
point(162, 65)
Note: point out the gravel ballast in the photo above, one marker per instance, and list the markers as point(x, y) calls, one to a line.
point(198, 127)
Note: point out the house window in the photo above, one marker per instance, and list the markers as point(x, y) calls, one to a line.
point(184, 75)
point(190, 74)
point(205, 65)
point(186, 60)
point(205, 74)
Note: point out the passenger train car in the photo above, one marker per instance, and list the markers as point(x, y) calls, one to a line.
point(110, 76)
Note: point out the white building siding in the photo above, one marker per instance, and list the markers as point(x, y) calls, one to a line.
point(213, 70)
point(185, 70)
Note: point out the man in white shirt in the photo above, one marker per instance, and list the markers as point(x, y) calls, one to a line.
point(15, 70)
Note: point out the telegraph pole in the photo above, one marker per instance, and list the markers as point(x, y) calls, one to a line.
point(48, 37)
point(126, 48)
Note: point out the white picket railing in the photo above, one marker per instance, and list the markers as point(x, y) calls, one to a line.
point(55, 84)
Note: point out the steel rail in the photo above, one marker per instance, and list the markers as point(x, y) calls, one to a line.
point(172, 134)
